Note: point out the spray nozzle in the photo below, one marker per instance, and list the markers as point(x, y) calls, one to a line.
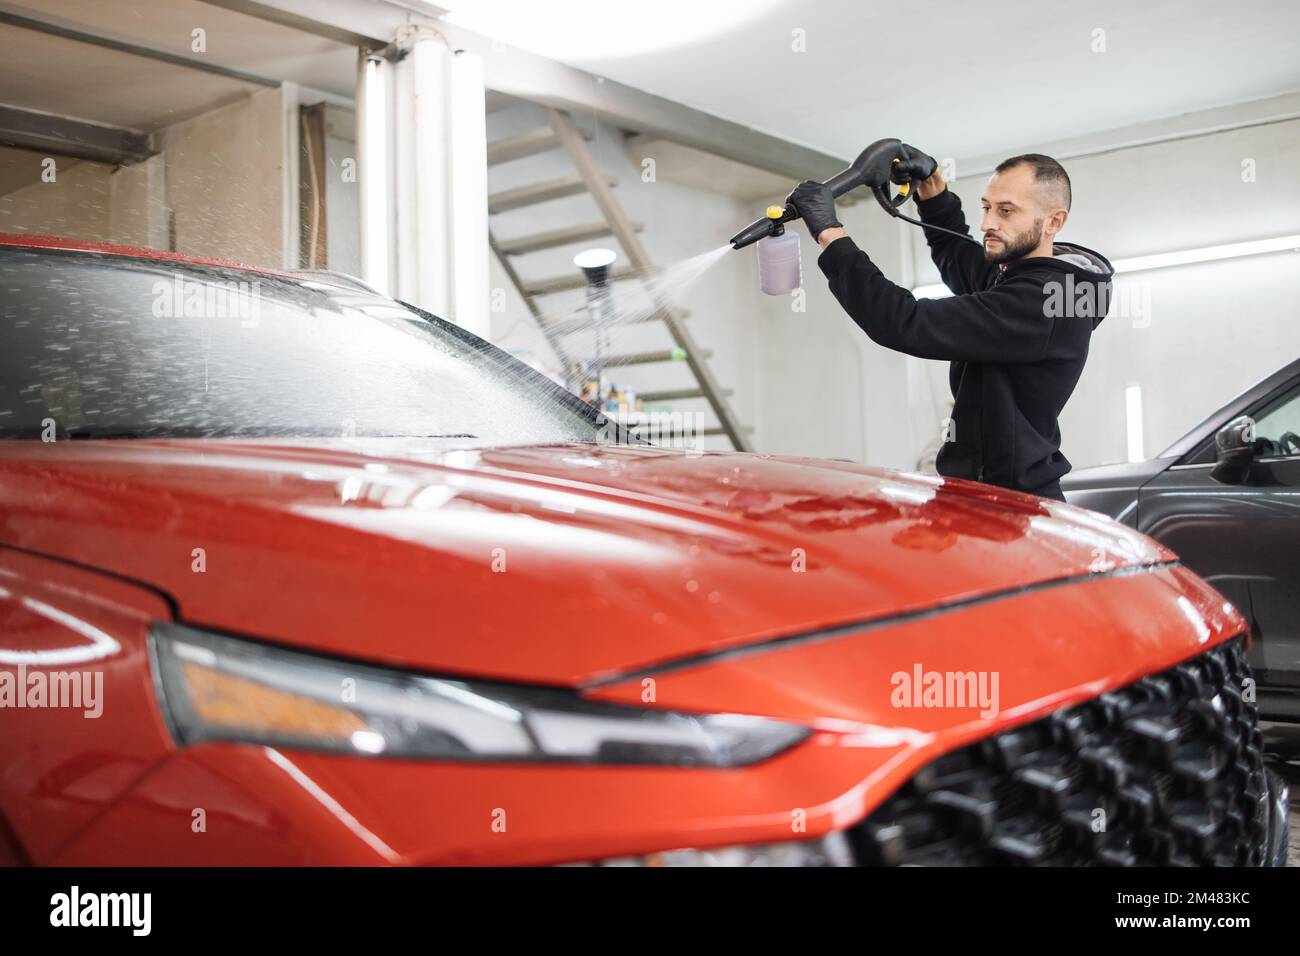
point(772, 224)
point(871, 169)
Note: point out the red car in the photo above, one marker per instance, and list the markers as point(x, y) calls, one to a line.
point(291, 573)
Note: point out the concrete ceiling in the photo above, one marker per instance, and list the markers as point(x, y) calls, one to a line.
point(960, 79)
point(954, 77)
point(233, 40)
point(68, 77)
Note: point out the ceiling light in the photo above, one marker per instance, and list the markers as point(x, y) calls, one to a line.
point(1232, 250)
point(594, 258)
point(1133, 422)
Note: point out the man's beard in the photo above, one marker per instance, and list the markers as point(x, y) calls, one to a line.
point(1017, 246)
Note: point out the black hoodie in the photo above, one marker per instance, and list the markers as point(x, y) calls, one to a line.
point(1016, 336)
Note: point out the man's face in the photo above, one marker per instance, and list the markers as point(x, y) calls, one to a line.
point(1013, 215)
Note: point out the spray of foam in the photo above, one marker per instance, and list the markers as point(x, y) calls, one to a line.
point(657, 288)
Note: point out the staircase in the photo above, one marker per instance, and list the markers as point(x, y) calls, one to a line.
point(560, 133)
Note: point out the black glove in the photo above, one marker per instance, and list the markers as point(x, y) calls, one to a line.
point(915, 166)
point(815, 205)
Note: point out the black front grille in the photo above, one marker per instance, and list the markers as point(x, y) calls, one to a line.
point(1166, 771)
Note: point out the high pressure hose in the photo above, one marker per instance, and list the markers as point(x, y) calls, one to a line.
point(930, 225)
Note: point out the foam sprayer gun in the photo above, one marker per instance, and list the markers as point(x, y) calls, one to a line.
point(870, 169)
point(778, 252)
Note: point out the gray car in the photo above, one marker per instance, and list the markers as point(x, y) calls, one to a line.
point(1226, 499)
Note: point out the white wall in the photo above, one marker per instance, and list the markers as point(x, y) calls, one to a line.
point(830, 391)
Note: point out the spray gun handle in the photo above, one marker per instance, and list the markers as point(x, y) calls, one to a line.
point(892, 206)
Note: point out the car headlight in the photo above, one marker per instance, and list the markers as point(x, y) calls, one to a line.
point(221, 688)
point(830, 850)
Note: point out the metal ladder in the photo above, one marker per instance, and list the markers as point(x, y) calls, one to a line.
point(562, 133)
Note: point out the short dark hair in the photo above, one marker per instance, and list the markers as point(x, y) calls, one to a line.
point(1046, 170)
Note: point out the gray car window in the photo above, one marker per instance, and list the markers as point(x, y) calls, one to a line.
point(1281, 419)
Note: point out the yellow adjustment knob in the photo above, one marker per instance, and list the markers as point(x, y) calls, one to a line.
point(904, 189)
point(775, 212)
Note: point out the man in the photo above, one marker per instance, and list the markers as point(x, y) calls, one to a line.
point(1016, 329)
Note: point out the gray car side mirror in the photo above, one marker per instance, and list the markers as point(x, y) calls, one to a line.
point(1234, 448)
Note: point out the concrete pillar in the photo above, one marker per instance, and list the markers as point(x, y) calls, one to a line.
point(137, 204)
point(374, 170)
point(469, 194)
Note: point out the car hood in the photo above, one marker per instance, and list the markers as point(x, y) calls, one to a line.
point(557, 564)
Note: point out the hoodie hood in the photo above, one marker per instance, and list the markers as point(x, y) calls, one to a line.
point(1088, 265)
point(1087, 274)
point(1083, 258)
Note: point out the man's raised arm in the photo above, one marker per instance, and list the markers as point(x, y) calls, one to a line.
point(960, 262)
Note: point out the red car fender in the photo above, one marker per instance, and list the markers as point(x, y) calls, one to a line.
point(64, 765)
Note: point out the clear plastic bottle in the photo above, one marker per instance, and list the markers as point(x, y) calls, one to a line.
point(780, 270)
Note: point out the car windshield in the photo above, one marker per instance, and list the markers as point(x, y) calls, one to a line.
point(107, 346)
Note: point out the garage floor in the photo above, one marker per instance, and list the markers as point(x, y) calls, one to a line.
point(1282, 743)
